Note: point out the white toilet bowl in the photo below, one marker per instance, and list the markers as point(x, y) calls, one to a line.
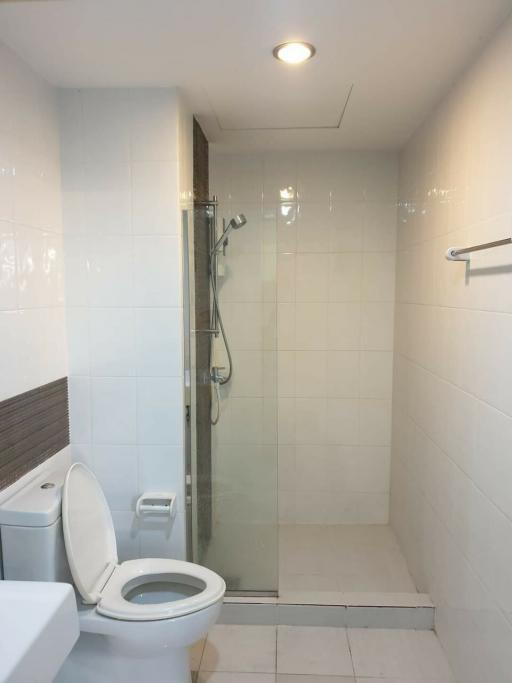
point(139, 617)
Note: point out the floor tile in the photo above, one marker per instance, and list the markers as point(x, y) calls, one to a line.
point(397, 653)
point(394, 680)
point(347, 558)
point(313, 650)
point(292, 678)
point(226, 677)
point(240, 648)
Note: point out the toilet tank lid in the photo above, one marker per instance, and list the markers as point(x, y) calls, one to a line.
point(38, 504)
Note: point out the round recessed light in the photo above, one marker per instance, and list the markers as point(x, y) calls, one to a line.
point(293, 53)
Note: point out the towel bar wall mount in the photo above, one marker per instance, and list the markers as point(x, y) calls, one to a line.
point(462, 254)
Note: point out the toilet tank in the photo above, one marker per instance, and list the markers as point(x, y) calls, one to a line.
point(31, 531)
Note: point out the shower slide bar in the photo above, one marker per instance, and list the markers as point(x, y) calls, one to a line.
point(456, 254)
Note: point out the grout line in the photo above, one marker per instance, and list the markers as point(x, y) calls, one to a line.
point(479, 401)
point(350, 651)
point(202, 655)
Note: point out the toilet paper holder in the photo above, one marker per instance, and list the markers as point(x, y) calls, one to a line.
point(156, 503)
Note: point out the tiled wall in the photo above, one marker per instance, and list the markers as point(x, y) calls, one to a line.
point(32, 324)
point(317, 259)
point(127, 167)
point(451, 487)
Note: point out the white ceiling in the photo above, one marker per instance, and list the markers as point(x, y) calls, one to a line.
point(394, 57)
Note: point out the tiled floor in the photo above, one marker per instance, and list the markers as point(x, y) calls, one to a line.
point(297, 654)
point(350, 558)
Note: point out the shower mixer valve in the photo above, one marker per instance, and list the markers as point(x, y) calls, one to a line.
point(216, 374)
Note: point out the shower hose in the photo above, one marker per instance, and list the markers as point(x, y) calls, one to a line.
point(215, 415)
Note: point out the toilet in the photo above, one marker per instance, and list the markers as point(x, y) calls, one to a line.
point(137, 618)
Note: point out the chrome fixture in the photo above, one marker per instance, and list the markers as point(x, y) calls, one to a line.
point(457, 254)
point(234, 224)
point(216, 328)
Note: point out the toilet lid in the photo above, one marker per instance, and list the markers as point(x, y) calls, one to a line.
point(88, 532)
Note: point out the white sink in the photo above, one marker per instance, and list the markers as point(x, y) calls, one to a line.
point(38, 628)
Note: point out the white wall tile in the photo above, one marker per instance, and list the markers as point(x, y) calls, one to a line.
point(316, 173)
point(311, 277)
point(286, 267)
point(280, 177)
point(311, 420)
point(244, 278)
point(164, 540)
point(77, 332)
point(323, 229)
point(311, 326)
point(379, 277)
point(31, 348)
point(286, 315)
point(32, 330)
point(126, 156)
point(106, 198)
point(160, 410)
point(127, 535)
point(153, 121)
point(343, 372)
point(287, 228)
point(161, 469)
point(343, 326)
point(39, 267)
point(154, 198)
point(449, 502)
point(116, 469)
point(158, 333)
point(246, 179)
point(114, 409)
point(77, 268)
point(376, 418)
point(80, 415)
point(345, 277)
point(111, 271)
point(105, 125)
point(376, 374)
point(8, 289)
point(314, 228)
point(157, 266)
point(380, 226)
point(344, 419)
point(377, 326)
point(311, 374)
point(347, 229)
point(112, 342)
point(9, 334)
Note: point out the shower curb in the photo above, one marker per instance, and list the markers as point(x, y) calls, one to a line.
point(420, 617)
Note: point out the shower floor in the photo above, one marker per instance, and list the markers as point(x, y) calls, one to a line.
point(348, 559)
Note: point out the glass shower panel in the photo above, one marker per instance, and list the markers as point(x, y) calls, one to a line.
point(236, 466)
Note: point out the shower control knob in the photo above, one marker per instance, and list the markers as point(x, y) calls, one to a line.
point(216, 373)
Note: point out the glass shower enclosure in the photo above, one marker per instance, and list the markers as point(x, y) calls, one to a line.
point(231, 379)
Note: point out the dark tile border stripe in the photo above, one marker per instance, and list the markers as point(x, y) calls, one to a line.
point(203, 341)
point(33, 427)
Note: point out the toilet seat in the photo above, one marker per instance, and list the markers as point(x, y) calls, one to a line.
point(92, 555)
point(134, 573)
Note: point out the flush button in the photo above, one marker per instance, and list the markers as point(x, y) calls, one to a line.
point(48, 485)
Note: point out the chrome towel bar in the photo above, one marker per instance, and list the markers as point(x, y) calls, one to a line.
point(456, 254)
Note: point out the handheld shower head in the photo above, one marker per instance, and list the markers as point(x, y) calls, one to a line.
point(238, 221)
point(234, 224)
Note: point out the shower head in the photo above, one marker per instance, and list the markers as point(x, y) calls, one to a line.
point(234, 224)
point(238, 221)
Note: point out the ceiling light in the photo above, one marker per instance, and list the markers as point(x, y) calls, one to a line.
point(293, 53)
